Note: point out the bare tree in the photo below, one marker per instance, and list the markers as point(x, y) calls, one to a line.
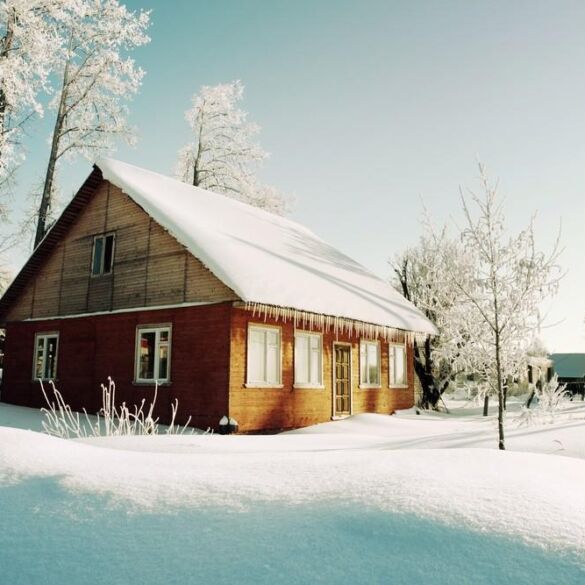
point(95, 79)
point(510, 279)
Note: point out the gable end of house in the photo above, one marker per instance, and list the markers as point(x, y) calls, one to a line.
point(149, 267)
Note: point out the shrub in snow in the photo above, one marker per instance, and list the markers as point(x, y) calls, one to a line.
point(551, 397)
point(61, 421)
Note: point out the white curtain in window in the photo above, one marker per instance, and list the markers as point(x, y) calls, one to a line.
point(308, 359)
point(398, 377)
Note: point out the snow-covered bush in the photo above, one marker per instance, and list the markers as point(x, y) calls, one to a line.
point(61, 421)
point(550, 398)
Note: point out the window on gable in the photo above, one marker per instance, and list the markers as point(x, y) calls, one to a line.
point(153, 348)
point(103, 254)
point(398, 365)
point(264, 361)
point(308, 356)
point(45, 359)
point(369, 363)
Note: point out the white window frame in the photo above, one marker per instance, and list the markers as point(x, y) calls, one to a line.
point(391, 375)
point(263, 383)
point(157, 329)
point(103, 237)
point(365, 343)
point(308, 334)
point(45, 336)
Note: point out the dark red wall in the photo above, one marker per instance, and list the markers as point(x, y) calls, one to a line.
point(93, 348)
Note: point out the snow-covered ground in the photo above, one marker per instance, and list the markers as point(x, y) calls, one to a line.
point(371, 499)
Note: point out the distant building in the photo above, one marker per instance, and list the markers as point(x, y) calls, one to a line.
point(570, 369)
point(539, 362)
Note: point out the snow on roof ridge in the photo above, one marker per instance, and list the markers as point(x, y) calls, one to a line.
point(265, 258)
point(228, 200)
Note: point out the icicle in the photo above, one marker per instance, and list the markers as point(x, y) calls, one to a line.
point(340, 325)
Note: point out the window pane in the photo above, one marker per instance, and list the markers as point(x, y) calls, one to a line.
point(272, 337)
point(272, 364)
point(108, 254)
point(51, 358)
point(315, 368)
point(98, 248)
point(40, 352)
point(301, 361)
point(399, 363)
point(163, 361)
point(373, 364)
point(363, 364)
point(256, 369)
point(147, 353)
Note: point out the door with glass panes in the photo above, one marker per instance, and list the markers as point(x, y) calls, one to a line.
point(342, 379)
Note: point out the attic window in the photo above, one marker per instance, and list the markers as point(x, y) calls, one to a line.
point(103, 254)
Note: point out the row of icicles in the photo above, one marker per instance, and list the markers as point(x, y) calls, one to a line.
point(326, 323)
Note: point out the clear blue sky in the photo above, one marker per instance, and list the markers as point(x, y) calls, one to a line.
point(370, 107)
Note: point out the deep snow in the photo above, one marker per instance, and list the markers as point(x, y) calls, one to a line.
point(419, 498)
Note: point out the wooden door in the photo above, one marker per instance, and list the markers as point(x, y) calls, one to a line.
point(342, 380)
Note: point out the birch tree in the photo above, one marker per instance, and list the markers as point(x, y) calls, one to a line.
point(223, 155)
point(510, 279)
point(28, 41)
point(95, 78)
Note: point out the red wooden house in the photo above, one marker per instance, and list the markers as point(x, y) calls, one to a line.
point(233, 310)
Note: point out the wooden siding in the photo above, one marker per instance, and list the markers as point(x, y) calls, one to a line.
point(150, 267)
point(288, 407)
point(94, 347)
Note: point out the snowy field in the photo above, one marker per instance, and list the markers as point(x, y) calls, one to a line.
point(371, 499)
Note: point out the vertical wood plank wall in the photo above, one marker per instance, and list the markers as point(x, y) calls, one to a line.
point(150, 267)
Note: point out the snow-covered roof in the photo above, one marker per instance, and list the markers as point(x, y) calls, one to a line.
point(569, 365)
point(262, 257)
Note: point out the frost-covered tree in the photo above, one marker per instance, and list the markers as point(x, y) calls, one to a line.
point(28, 41)
point(95, 78)
point(223, 155)
point(422, 275)
point(510, 279)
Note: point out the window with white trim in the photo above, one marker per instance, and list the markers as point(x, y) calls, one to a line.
point(264, 358)
point(102, 258)
point(308, 359)
point(45, 358)
point(369, 363)
point(153, 354)
point(398, 375)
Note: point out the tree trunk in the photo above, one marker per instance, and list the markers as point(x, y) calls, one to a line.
point(423, 367)
point(431, 391)
point(501, 442)
point(48, 186)
point(486, 404)
point(45, 204)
